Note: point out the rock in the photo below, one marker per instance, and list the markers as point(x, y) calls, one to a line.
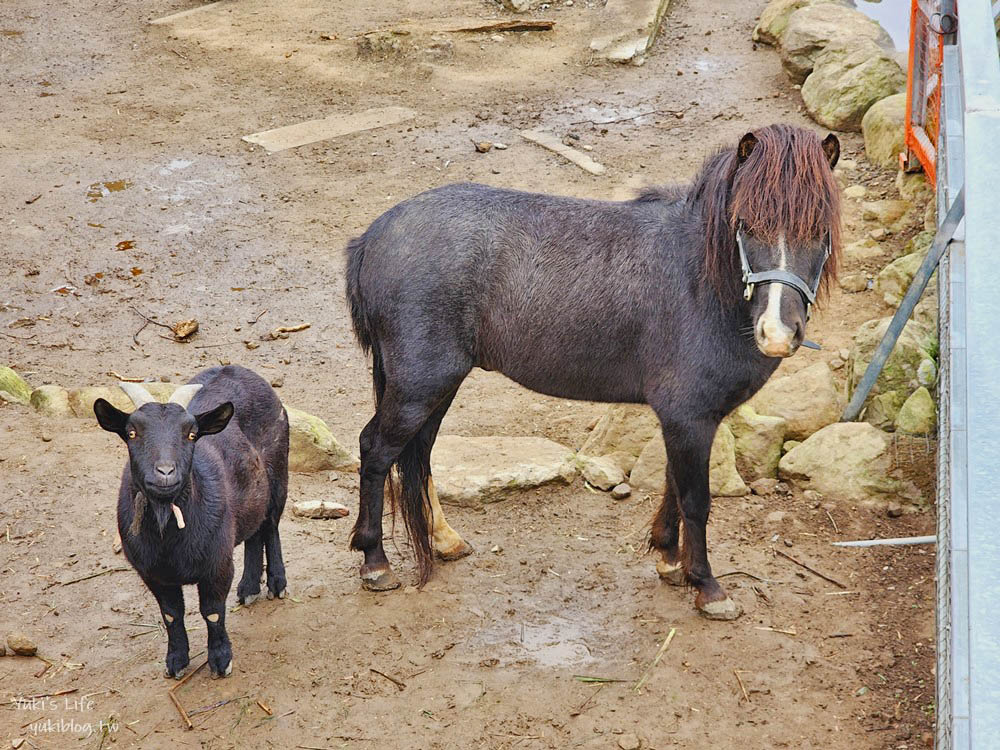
point(882, 127)
point(852, 283)
point(848, 78)
point(81, 400)
point(629, 742)
point(913, 187)
point(775, 516)
point(621, 491)
point(625, 461)
point(758, 440)
point(836, 363)
point(882, 409)
point(926, 311)
point(51, 400)
point(895, 278)
point(919, 243)
point(910, 364)
point(918, 415)
point(520, 6)
point(161, 391)
point(855, 191)
point(885, 212)
point(649, 473)
point(471, 471)
point(3, 649)
point(812, 497)
point(862, 251)
point(603, 473)
point(763, 486)
point(811, 29)
point(878, 234)
point(625, 428)
point(847, 461)
point(774, 19)
point(319, 509)
point(21, 645)
point(894, 510)
point(807, 400)
point(312, 447)
point(632, 27)
point(789, 445)
point(13, 388)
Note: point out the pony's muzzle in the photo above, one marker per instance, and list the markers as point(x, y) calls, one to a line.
point(775, 338)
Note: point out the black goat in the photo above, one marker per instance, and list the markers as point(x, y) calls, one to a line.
point(206, 471)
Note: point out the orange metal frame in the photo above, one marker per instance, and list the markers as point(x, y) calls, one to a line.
point(921, 137)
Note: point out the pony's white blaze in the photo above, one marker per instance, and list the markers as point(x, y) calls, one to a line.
point(775, 338)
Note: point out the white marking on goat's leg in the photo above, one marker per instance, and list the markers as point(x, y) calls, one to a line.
point(777, 337)
point(214, 617)
point(168, 618)
point(447, 543)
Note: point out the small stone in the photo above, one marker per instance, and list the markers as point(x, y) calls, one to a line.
point(568, 3)
point(894, 510)
point(483, 146)
point(46, 438)
point(782, 488)
point(852, 283)
point(776, 516)
point(812, 496)
point(844, 354)
point(629, 742)
point(788, 542)
point(602, 473)
point(319, 509)
point(836, 363)
point(17, 742)
point(278, 381)
point(878, 234)
point(21, 645)
point(855, 191)
point(763, 486)
point(500, 146)
point(496, 549)
point(621, 491)
point(789, 445)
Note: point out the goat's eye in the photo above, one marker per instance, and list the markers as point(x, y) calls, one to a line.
point(131, 434)
point(191, 436)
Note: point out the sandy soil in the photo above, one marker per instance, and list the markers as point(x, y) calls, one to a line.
point(208, 226)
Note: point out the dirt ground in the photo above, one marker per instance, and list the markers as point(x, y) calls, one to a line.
point(204, 225)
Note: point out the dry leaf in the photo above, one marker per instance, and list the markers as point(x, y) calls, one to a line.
point(125, 245)
point(184, 329)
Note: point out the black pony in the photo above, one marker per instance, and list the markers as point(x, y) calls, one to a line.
point(645, 301)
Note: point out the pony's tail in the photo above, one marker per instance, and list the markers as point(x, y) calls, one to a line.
point(406, 484)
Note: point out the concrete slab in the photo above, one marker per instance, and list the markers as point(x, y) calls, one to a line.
point(631, 26)
point(552, 143)
point(331, 126)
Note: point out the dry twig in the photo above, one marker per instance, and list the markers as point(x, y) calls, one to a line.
point(812, 570)
point(659, 655)
point(742, 686)
point(178, 686)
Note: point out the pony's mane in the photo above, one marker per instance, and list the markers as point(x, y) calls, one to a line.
point(785, 187)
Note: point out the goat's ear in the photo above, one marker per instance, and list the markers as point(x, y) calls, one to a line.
point(747, 144)
point(831, 147)
point(110, 418)
point(211, 422)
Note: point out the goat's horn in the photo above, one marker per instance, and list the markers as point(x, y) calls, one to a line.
point(183, 395)
point(137, 393)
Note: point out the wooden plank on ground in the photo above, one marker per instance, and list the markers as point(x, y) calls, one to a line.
point(331, 126)
point(552, 143)
point(174, 16)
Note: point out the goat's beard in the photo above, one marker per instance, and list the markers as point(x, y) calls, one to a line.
point(162, 510)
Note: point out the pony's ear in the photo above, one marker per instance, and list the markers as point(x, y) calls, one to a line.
point(746, 147)
point(831, 147)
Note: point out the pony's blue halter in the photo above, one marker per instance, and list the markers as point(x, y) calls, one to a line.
point(778, 276)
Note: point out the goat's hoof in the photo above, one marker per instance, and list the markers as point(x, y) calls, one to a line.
point(724, 609)
point(175, 674)
point(672, 573)
point(225, 673)
point(460, 550)
point(384, 581)
point(247, 599)
point(277, 594)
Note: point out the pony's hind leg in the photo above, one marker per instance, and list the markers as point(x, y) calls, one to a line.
point(665, 536)
point(448, 544)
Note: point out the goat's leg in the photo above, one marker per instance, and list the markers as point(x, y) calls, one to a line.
point(689, 448)
point(212, 604)
point(665, 536)
point(171, 601)
point(277, 585)
point(248, 589)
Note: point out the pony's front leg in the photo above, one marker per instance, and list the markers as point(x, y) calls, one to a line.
point(665, 536)
point(689, 448)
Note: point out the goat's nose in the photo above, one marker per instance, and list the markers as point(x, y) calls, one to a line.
point(164, 471)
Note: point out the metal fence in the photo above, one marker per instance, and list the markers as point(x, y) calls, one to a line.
point(968, 585)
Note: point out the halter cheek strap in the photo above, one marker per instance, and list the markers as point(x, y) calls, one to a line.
point(778, 276)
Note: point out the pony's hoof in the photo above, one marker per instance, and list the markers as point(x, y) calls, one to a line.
point(464, 549)
point(672, 573)
point(724, 609)
point(380, 581)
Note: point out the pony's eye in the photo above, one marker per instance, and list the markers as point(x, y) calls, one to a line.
point(191, 436)
point(131, 434)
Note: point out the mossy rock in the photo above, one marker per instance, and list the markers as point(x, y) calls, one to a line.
point(51, 400)
point(312, 447)
point(918, 415)
point(13, 387)
point(910, 364)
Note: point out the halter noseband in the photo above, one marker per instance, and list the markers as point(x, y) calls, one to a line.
point(778, 276)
